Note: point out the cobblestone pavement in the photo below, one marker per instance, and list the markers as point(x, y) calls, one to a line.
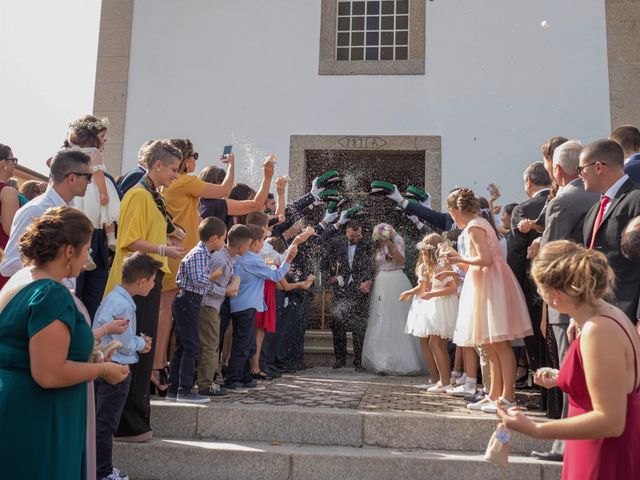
point(325, 388)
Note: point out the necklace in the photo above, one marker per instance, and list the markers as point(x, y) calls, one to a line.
point(148, 184)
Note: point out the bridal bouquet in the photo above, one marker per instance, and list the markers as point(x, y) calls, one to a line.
point(383, 232)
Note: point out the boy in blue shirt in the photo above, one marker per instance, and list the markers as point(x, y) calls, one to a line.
point(138, 278)
point(195, 279)
point(253, 271)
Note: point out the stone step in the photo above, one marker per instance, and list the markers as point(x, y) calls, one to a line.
point(176, 459)
point(324, 338)
point(223, 421)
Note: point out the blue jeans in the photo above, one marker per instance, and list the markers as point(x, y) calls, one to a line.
point(243, 347)
point(186, 314)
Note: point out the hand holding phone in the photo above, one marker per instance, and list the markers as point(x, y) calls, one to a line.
point(225, 152)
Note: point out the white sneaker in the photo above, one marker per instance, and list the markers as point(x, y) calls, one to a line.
point(478, 405)
point(462, 390)
point(461, 379)
point(427, 386)
point(493, 408)
point(489, 407)
point(439, 388)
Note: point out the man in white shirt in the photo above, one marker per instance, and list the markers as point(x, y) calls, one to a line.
point(70, 175)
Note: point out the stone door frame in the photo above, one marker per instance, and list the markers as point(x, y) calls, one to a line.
point(431, 145)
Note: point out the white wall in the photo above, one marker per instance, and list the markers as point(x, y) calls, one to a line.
point(497, 84)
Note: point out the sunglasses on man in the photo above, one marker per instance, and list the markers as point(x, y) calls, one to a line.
point(87, 175)
point(13, 159)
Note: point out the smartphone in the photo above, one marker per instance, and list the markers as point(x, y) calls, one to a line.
point(225, 152)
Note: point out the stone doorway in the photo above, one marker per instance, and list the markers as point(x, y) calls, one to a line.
point(403, 160)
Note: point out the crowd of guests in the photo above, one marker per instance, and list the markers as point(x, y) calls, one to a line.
point(195, 288)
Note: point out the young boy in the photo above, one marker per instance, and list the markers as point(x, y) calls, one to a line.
point(195, 280)
point(238, 241)
point(253, 271)
point(138, 278)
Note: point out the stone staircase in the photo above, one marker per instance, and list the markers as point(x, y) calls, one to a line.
point(318, 348)
point(232, 440)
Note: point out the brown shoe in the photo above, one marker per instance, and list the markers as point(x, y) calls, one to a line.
point(143, 437)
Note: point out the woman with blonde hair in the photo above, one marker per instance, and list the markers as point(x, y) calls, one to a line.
point(602, 431)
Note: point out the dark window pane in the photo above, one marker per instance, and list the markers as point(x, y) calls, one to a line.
point(372, 54)
point(344, 8)
point(387, 38)
point(358, 8)
point(401, 53)
point(386, 53)
point(357, 39)
point(402, 38)
point(373, 23)
point(372, 38)
point(373, 8)
point(387, 23)
point(357, 54)
point(343, 24)
point(343, 54)
point(343, 39)
point(402, 6)
point(402, 23)
point(357, 23)
point(387, 6)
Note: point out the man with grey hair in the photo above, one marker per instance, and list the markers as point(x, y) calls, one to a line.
point(630, 241)
point(565, 216)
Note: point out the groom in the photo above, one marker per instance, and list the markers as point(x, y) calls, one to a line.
point(349, 267)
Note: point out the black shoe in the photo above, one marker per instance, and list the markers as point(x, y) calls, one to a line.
point(272, 373)
point(359, 368)
point(262, 376)
point(476, 397)
point(339, 364)
point(535, 406)
point(549, 456)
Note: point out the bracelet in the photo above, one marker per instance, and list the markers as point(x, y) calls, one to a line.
point(162, 250)
point(104, 369)
point(105, 330)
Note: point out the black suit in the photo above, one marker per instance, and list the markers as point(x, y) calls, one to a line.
point(350, 308)
point(517, 259)
point(623, 207)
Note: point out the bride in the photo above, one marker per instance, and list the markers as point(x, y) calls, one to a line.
point(387, 349)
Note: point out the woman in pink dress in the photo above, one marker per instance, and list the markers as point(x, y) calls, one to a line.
point(492, 309)
point(602, 431)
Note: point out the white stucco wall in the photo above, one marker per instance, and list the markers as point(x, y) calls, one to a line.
point(497, 84)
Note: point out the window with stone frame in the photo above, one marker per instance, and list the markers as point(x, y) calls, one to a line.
point(372, 37)
point(372, 30)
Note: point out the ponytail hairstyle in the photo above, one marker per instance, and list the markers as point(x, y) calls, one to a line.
point(57, 228)
point(464, 201)
point(579, 272)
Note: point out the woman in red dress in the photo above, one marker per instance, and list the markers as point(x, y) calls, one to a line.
point(9, 202)
point(600, 373)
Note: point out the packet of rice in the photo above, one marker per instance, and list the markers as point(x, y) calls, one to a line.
point(498, 447)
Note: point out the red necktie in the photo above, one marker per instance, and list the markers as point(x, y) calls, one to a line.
point(604, 201)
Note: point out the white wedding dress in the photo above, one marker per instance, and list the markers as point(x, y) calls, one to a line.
point(387, 349)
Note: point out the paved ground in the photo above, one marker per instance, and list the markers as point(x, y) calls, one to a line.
point(326, 388)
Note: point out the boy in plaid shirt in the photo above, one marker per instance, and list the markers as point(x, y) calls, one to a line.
point(195, 280)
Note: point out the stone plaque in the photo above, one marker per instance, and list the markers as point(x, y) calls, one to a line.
point(366, 143)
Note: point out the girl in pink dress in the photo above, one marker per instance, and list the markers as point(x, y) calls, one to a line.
point(492, 309)
point(602, 431)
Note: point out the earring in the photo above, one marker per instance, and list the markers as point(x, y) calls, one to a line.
point(157, 169)
point(68, 267)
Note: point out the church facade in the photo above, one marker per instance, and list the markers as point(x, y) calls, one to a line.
point(464, 92)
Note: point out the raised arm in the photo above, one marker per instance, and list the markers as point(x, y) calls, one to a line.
point(224, 189)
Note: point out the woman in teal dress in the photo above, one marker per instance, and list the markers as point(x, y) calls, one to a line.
point(45, 344)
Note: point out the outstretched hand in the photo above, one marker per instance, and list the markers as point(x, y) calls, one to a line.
point(395, 195)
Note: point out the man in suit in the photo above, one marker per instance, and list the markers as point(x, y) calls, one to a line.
point(629, 139)
point(564, 221)
point(537, 185)
point(602, 170)
point(349, 267)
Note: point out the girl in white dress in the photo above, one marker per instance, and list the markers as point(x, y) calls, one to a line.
point(387, 349)
point(101, 202)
